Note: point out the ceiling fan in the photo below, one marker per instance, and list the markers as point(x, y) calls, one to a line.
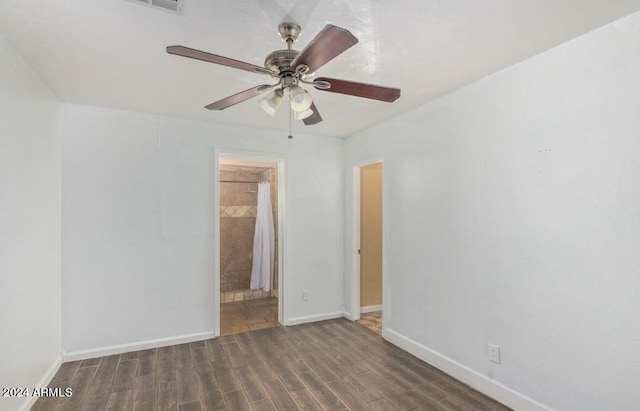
point(293, 68)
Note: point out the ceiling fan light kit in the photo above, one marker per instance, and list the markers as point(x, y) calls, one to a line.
point(271, 102)
point(291, 68)
point(301, 115)
point(300, 99)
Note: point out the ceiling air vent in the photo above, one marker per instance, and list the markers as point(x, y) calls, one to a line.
point(170, 5)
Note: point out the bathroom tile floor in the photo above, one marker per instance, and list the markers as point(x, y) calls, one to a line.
point(249, 315)
point(372, 321)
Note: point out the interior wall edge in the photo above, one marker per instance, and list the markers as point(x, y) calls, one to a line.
point(315, 317)
point(370, 309)
point(44, 382)
point(474, 379)
point(30, 217)
point(348, 316)
point(135, 346)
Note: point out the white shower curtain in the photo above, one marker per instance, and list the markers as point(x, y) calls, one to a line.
point(263, 241)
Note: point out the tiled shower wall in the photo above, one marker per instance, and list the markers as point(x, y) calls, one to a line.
point(237, 224)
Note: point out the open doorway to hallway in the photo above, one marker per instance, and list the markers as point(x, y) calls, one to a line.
point(249, 231)
point(371, 246)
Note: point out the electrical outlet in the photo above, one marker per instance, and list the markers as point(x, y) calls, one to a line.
point(305, 295)
point(494, 353)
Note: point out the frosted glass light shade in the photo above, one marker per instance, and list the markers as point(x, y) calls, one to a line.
point(300, 99)
point(301, 115)
point(271, 102)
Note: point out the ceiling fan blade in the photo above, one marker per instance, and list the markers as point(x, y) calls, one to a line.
point(329, 43)
point(315, 118)
point(213, 58)
point(352, 88)
point(239, 97)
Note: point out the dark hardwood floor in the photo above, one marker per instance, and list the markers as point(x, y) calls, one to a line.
point(329, 365)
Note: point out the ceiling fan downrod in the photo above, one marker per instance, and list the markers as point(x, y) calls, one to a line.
point(289, 33)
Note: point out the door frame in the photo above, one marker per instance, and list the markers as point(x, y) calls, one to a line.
point(355, 244)
point(240, 155)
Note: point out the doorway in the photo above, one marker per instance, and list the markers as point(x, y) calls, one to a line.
point(249, 246)
point(371, 246)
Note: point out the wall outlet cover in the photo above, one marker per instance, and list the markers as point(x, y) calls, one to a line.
point(494, 353)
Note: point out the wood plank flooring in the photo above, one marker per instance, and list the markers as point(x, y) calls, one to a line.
point(329, 365)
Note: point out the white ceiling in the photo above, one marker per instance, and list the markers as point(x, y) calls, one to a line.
point(111, 53)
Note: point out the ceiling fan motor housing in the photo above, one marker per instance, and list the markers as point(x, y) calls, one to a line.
point(279, 61)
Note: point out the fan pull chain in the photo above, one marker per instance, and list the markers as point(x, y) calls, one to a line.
point(290, 113)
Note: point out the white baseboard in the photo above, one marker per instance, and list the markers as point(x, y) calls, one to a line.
point(137, 346)
point(314, 318)
point(348, 316)
point(44, 381)
point(370, 309)
point(482, 383)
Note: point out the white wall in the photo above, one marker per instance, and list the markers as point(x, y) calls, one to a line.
point(512, 216)
point(138, 224)
point(29, 227)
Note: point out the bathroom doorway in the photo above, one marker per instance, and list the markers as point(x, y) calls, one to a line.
point(249, 234)
point(371, 246)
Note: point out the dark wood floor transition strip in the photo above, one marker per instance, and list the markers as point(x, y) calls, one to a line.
point(328, 365)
